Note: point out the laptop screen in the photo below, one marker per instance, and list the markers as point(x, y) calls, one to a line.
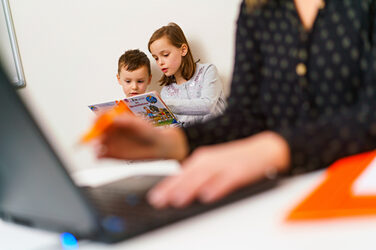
point(35, 188)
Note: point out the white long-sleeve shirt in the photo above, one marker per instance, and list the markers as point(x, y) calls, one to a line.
point(199, 99)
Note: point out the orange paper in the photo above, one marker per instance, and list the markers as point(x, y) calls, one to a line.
point(334, 196)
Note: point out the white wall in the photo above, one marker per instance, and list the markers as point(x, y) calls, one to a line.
point(70, 49)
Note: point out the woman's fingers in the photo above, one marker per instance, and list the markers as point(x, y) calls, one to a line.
point(128, 137)
point(159, 195)
point(225, 182)
point(134, 126)
point(181, 190)
point(132, 138)
point(189, 186)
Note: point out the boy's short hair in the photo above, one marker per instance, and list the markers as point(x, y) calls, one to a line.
point(132, 60)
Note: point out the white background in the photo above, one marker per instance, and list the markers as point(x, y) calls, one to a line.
point(70, 49)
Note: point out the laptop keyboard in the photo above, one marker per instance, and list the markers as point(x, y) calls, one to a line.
point(126, 200)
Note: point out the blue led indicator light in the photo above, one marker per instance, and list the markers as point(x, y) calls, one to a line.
point(68, 241)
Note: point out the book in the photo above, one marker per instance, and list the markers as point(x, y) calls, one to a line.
point(148, 105)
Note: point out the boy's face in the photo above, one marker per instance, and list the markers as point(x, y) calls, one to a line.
point(134, 82)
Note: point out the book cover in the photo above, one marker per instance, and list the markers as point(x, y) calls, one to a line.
point(148, 105)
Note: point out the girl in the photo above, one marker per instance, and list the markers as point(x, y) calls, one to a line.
point(192, 90)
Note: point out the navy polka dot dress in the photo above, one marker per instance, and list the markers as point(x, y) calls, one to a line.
point(315, 88)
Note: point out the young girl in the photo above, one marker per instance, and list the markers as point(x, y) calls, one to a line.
point(192, 90)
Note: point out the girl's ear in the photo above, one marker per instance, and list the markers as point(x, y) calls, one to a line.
point(184, 49)
point(118, 78)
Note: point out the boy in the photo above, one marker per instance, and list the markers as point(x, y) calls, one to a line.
point(134, 74)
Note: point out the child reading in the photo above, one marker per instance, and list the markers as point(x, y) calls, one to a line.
point(193, 91)
point(134, 74)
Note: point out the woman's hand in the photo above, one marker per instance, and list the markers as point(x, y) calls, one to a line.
point(132, 138)
point(212, 172)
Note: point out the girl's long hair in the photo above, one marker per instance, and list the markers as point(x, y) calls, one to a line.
point(177, 38)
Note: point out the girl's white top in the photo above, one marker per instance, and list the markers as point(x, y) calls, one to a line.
point(199, 99)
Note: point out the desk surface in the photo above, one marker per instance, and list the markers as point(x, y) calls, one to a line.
point(254, 223)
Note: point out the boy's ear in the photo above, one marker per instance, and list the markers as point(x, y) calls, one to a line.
point(184, 49)
point(118, 78)
point(149, 79)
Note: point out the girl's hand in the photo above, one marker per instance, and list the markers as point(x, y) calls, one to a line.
point(132, 138)
point(212, 172)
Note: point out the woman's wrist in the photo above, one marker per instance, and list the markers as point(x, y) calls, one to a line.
point(174, 144)
point(273, 149)
point(280, 151)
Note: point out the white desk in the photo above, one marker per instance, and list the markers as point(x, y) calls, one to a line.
point(254, 223)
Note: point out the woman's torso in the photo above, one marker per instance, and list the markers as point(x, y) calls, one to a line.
point(307, 74)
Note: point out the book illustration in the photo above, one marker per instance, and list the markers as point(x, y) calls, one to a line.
point(147, 105)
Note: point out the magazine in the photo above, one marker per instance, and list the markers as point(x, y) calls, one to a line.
point(148, 105)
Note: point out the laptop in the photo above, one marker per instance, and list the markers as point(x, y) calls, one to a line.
point(37, 191)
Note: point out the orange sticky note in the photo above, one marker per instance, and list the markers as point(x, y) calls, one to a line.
point(105, 120)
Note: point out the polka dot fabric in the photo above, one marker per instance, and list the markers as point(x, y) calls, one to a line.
point(315, 88)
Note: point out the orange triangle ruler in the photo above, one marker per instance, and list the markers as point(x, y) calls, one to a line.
point(334, 197)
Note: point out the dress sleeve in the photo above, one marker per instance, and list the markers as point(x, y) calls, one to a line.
point(243, 116)
point(212, 88)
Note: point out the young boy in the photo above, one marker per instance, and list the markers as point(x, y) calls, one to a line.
point(134, 74)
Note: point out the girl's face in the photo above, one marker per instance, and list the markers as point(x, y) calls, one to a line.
point(167, 56)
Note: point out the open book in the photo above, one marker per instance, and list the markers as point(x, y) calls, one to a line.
point(148, 105)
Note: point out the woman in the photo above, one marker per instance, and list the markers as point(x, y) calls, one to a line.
point(303, 95)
